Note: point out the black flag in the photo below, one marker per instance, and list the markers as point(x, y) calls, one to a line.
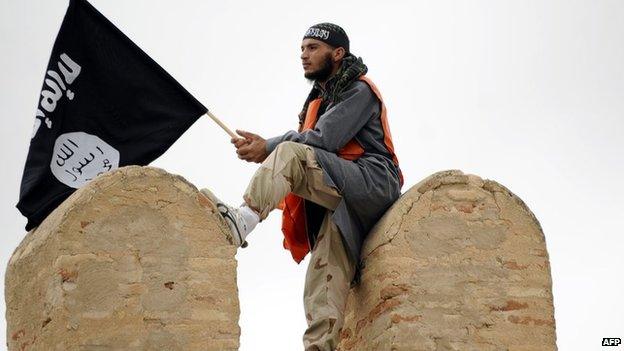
point(104, 104)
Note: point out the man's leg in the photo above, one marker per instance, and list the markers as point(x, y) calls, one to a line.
point(291, 167)
point(328, 279)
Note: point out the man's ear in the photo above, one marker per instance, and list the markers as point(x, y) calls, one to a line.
point(338, 54)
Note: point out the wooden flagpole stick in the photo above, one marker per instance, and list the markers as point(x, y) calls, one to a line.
point(227, 130)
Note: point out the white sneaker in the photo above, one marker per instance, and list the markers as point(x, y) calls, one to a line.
point(232, 217)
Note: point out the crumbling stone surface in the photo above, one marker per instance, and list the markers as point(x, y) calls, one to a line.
point(458, 263)
point(136, 260)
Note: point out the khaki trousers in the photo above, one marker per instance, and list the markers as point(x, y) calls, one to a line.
point(292, 167)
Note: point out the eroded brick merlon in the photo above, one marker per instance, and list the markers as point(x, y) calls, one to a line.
point(458, 263)
point(135, 260)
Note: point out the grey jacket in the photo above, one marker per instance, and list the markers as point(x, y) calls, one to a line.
point(368, 185)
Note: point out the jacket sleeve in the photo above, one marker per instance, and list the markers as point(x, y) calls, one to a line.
point(339, 124)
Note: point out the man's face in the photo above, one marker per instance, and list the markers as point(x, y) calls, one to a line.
point(316, 58)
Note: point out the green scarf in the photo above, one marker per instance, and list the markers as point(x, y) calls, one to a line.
point(350, 70)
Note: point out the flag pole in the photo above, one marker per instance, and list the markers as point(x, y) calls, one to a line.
point(227, 130)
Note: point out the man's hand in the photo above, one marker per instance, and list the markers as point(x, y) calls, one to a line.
point(252, 148)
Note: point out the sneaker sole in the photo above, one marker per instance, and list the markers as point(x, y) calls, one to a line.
point(216, 201)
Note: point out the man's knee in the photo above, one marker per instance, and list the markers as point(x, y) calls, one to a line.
point(290, 150)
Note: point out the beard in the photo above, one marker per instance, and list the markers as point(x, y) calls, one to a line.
point(322, 73)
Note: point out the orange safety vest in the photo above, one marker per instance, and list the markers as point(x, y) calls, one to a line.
point(293, 215)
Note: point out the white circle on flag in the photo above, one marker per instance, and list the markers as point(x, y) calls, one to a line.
point(79, 157)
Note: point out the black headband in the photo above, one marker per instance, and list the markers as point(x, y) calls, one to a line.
point(329, 33)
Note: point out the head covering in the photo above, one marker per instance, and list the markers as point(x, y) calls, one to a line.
point(329, 33)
